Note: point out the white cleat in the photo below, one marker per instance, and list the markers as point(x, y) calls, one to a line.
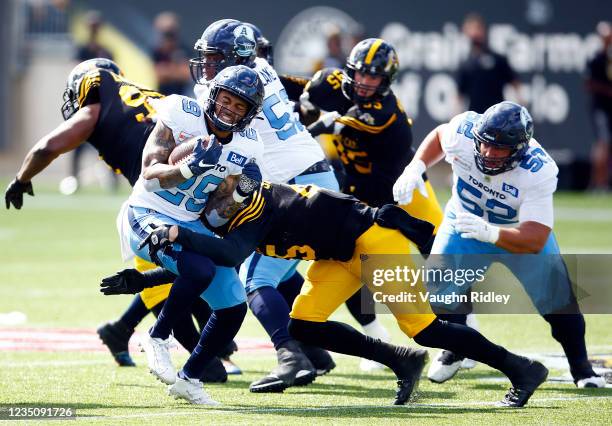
point(158, 358)
point(592, 382)
point(370, 366)
point(191, 390)
point(468, 364)
point(444, 366)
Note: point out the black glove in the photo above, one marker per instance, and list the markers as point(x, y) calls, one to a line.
point(14, 193)
point(128, 281)
point(157, 240)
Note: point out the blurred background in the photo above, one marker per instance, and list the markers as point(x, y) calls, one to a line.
point(539, 52)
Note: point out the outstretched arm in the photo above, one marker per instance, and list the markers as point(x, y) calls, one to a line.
point(66, 137)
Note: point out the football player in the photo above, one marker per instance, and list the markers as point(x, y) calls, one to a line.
point(290, 155)
point(116, 116)
point(336, 231)
point(502, 202)
point(372, 136)
point(168, 194)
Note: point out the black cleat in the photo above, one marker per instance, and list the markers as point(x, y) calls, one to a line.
point(116, 336)
point(320, 359)
point(408, 368)
point(214, 372)
point(525, 384)
point(293, 369)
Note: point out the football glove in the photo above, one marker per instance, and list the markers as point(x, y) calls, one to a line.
point(128, 281)
point(157, 240)
point(249, 181)
point(326, 124)
point(14, 193)
point(203, 159)
point(472, 226)
point(410, 179)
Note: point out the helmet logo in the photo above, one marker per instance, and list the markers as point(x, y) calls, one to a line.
point(244, 41)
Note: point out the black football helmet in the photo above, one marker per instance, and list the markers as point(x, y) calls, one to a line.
point(264, 47)
point(504, 125)
point(71, 101)
point(240, 81)
point(370, 56)
point(224, 43)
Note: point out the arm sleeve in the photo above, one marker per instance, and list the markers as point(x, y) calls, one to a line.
point(293, 85)
point(228, 251)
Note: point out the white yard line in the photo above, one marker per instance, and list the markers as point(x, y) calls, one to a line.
point(451, 405)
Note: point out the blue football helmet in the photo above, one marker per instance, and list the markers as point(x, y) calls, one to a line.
point(504, 125)
point(242, 82)
point(264, 47)
point(224, 43)
point(71, 102)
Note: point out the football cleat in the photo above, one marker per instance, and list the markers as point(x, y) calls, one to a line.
point(408, 368)
point(444, 367)
point(214, 372)
point(321, 360)
point(116, 336)
point(191, 390)
point(158, 358)
point(293, 369)
point(591, 382)
point(524, 385)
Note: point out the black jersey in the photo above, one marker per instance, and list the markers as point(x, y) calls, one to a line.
point(124, 123)
point(289, 222)
point(325, 92)
point(375, 145)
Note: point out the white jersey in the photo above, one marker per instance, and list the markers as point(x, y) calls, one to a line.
point(518, 195)
point(185, 202)
point(289, 149)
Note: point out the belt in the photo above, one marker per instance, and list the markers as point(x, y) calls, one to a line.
point(318, 167)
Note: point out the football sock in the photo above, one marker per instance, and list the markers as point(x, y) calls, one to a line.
point(196, 273)
point(218, 332)
point(134, 313)
point(569, 330)
point(290, 288)
point(469, 343)
point(375, 329)
point(342, 338)
point(361, 306)
point(183, 330)
point(454, 318)
point(272, 311)
point(201, 311)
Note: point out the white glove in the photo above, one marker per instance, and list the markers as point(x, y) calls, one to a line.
point(472, 226)
point(410, 180)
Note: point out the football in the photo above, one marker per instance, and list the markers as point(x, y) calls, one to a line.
point(182, 152)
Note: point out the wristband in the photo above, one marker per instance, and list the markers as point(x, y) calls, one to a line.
point(186, 171)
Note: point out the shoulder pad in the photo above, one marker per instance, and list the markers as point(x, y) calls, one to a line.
point(89, 82)
point(373, 117)
point(324, 91)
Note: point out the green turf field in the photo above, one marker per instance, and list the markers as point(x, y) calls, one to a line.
point(57, 248)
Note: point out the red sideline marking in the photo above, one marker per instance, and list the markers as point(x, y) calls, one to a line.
point(84, 340)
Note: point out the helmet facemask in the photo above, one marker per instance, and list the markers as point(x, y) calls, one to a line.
point(496, 165)
point(213, 104)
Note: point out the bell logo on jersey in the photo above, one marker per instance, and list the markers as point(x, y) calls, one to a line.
point(510, 190)
point(236, 158)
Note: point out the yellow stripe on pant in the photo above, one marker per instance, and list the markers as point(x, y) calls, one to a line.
point(154, 295)
point(330, 283)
